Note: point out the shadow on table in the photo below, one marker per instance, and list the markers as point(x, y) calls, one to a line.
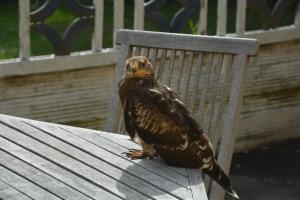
point(149, 185)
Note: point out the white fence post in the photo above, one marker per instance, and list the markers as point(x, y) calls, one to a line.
point(139, 14)
point(202, 28)
point(24, 29)
point(241, 17)
point(98, 26)
point(118, 16)
point(222, 17)
point(297, 16)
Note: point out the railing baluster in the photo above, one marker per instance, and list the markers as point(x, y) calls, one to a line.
point(241, 17)
point(139, 14)
point(297, 16)
point(98, 26)
point(202, 28)
point(222, 17)
point(118, 16)
point(24, 29)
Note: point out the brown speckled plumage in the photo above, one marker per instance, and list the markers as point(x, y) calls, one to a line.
point(155, 116)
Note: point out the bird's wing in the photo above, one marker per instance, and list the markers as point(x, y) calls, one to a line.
point(159, 118)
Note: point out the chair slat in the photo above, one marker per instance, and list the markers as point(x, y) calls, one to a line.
point(212, 101)
point(205, 84)
point(198, 67)
point(154, 57)
point(146, 52)
point(179, 72)
point(171, 67)
point(137, 51)
point(162, 64)
point(228, 59)
point(189, 67)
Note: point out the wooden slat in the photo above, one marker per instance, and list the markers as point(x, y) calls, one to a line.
point(222, 17)
point(189, 68)
point(179, 72)
point(231, 121)
point(39, 178)
point(154, 57)
point(187, 42)
point(67, 161)
point(24, 29)
point(98, 25)
point(136, 51)
point(213, 93)
point(171, 66)
point(205, 85)
point(65, 176)
point(161, 64)
point(116, 166)
point(24, 185)
point(8, 192)
point(145, 52)
point(139, 14)
point(48, 64)
point(224, 90)
point(240, 25)
point(198, 66)
point(202, 28)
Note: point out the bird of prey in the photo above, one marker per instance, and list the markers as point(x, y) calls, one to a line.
point(156, 118)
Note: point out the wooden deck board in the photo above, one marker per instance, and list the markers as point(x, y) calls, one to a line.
point(39, 178)
point(24, 185)
point(71, 163)
point(10, 193)
point(60, 173)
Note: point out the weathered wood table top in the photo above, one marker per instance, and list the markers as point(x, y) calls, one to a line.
point(40, 160)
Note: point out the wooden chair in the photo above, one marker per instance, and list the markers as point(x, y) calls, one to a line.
point(208, 73)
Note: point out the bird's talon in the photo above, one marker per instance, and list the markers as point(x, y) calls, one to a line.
point(134, 154)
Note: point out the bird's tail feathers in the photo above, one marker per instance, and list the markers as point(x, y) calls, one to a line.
point(217, 174)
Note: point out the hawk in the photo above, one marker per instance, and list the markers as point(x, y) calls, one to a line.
point(156, 118)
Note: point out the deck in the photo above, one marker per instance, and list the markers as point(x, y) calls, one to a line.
point(40, 160)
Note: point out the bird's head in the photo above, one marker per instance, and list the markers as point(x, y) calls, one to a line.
point(138, 67)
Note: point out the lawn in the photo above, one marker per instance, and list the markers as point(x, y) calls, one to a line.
point(9, 39)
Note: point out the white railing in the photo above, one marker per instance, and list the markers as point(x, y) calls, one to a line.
point(98, 56)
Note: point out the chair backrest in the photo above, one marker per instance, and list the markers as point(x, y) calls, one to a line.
point(207, 72)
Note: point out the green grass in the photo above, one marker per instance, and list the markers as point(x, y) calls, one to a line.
point(9, 39)
point(9, 42)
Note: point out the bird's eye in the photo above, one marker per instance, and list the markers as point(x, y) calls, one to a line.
point(127, 66)
point(143, 63)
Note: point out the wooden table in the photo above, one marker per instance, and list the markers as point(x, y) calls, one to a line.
point(40, 160)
